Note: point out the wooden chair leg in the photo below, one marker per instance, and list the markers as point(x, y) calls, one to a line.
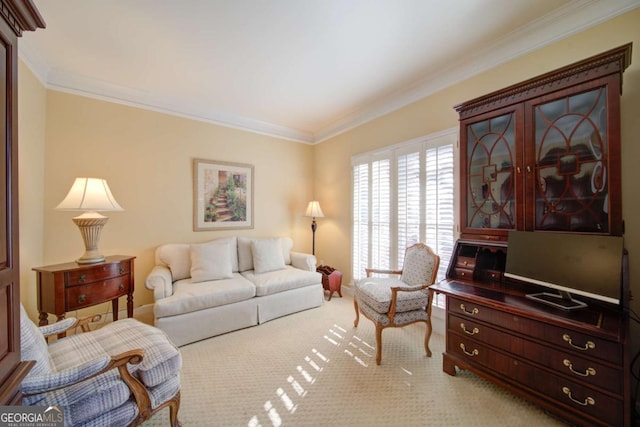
point(378, 343)
point(173, 411)
point(427, 337)
point(355, 305)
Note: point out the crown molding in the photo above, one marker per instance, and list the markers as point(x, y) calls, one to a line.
point(575, 17)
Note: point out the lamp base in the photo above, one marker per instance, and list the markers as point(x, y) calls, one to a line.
point(90, 225)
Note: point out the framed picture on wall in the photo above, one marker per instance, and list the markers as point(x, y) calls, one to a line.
point(222, 195)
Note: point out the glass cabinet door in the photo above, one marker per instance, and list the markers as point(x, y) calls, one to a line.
point(571, 163)
point(490, 176)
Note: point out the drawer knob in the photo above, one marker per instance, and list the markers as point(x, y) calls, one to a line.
point(82, 277)
point(121, 270)
point(590, 345)
point(471, 354)
point(82, 298)
point(471, 332)
point(587, 401)
point(121, 287)
point(470, 313)
point(589, 371)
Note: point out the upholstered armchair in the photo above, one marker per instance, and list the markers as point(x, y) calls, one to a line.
point(392, 302)
point(118, 375)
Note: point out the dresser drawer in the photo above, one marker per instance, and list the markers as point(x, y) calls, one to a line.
point(463, 273)
point(556, 336)
point(549, 386)
point(107, 271)
point(566, 363)
point(96, 292)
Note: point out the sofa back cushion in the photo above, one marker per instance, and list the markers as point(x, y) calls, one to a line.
point(245, 254)
point(267, 255)
point(210, 261)
point(177, 256)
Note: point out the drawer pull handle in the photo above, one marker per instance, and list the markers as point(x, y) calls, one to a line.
point(590, 345)
point(82, 298)
point(121, 287)
point(471, 332)
point(471, 354)
point(121, 270)
point(587, 401)
point(589, 371)
point(81, 278)
point(470, 313)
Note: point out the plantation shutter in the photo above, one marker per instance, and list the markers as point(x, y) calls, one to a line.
point(408, 202)
point(403, 195)
point(439, 203)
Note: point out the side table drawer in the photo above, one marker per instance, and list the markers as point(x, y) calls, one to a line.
point(79, 277)
point(95, 293)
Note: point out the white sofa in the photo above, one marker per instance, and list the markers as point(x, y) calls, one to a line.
point(208, 289)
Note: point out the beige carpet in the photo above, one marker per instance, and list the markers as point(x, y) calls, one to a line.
point(315, 369)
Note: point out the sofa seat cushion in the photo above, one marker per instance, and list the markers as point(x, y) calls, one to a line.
point(282, 280)
point(188, 296)
point(376, 293)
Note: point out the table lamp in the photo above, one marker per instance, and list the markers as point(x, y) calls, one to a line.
point(90, 195)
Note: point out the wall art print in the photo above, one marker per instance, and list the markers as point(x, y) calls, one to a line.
point(222, 195)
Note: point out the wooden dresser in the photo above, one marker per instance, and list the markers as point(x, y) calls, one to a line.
point(574, 363)
point(541, 156)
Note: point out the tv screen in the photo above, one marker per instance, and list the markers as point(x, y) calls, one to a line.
point(582, 264)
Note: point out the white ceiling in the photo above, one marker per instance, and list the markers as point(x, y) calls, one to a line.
point(303, 70)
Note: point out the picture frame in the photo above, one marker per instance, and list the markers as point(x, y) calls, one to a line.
point(222, 195)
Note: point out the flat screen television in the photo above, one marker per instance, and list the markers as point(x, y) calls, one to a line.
point(572, 264)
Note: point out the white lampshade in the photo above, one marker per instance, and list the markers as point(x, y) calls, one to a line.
point(89, 194)
point(313, 209)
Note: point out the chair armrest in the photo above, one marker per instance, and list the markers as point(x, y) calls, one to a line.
point(69, 323)
point(394, 296)
point(50, 382)
point(160, 282)
point(43, 383)
point(381, 271)
point(58, 327)
point(303, 261)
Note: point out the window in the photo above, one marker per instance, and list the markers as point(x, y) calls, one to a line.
point(403, 195)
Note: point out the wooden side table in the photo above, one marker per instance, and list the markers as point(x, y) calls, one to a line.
point(331, 280)
point(70, 286)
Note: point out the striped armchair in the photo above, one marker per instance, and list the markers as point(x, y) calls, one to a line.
point(120, 374)
point(392, 302)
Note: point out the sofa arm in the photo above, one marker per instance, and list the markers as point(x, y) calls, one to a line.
point(160, 282)
point(303, 261)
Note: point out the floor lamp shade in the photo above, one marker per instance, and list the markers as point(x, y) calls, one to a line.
point(314, 211)
point(90, 195)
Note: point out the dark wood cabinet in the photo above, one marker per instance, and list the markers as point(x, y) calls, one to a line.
point(15, 17)
point(541, 156)
point(545, 154)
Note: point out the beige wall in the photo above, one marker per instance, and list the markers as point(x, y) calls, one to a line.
point(146, 158)
point(435, 113)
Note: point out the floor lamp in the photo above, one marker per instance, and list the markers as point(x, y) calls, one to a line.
point(314, 211)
